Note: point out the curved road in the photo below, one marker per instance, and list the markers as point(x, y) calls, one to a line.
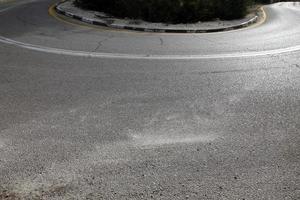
point(94, 113)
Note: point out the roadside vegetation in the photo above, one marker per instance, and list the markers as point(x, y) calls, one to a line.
point(171, 11)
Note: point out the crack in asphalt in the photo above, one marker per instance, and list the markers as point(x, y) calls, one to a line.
point(242, 70)
point(296, 65)
point(100, 43)
point(291, 65)
point(161, 41)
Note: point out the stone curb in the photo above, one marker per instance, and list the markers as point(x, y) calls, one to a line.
point(100, 22)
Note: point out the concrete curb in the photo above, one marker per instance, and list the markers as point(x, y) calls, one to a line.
point(100, 22)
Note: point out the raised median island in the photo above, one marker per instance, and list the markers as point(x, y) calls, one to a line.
point(160, 16)
point(170, 11)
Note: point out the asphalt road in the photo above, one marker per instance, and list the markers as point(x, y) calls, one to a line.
point(139, 119)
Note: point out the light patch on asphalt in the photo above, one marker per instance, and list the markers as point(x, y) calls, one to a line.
point(175, 129)
point(167, 139)
point(41, 188)
point(148, 56)
point(2, 143)
point(23, 188)
point(58, 179)
point(172, 117)
point(235, 98)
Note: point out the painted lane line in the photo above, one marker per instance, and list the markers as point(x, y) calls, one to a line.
point(145, 56)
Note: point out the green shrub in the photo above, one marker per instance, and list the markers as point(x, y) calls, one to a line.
point(170, 11)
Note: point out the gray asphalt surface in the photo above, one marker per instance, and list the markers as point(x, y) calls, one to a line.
point(74, 127)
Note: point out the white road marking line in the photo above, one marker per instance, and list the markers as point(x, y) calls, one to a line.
point(145, 56)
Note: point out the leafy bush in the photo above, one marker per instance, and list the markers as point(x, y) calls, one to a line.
point(170, 11)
